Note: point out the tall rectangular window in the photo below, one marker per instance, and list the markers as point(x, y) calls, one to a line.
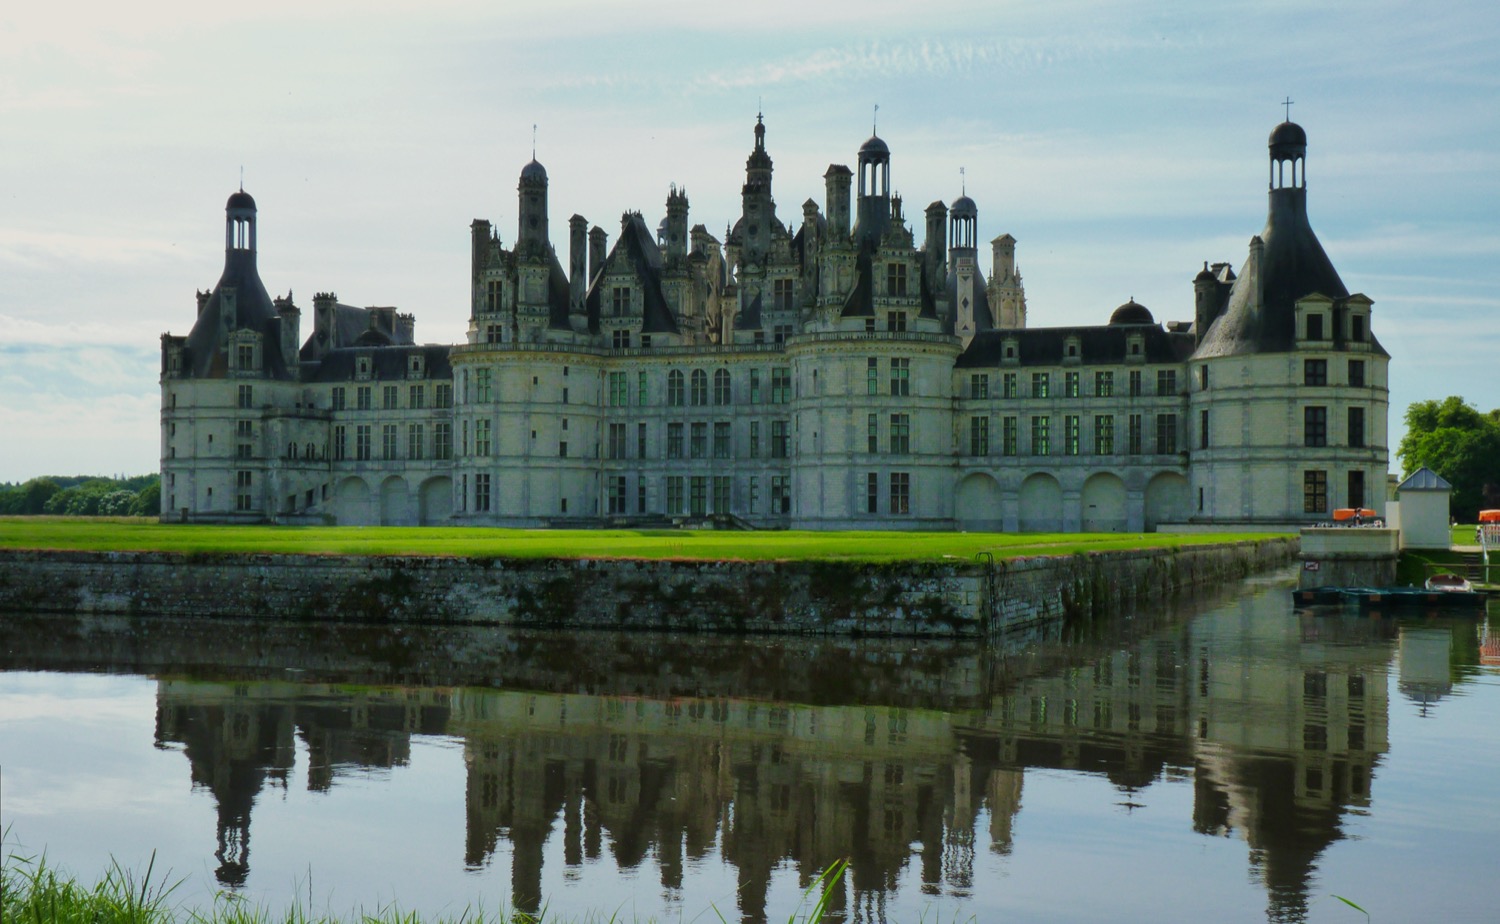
point(1314, 492)
point(698, 440)
point(388, 398)
point(872, 492)
point(1166, 382)
point(362, 398)
point(1356, 488)
point(900, 492)
point(1357, 373)
point(781, 385)
point(1070, 435)
point(755, 494)
point(1104, 384)
point(755, 395)
point(895, 279)
point(619, 389)
point(1134, 439)
point(1315, 327)
point(244, 498)
point(338, 399)
point(1041, 439)
point(1357, 427)
point(616, 443)
point(979, 436)
point(723, 488)
point(1009, 436)
point(723, 392)
point(780, 440)
point(388, 441)
point(1041, 384)
point(900, 434)
point(674, 440)
point(619, 301)
point(675, 495)
point(1315, 372)
point(416, 438)
point(872, 376)
point(781, 494)
point(482, 492)
point(872, 433)
point(362, 443)
point(443, 396)
point(1357, 328)
point(641, 391)
point(781, 294)
point(340, 443)
point(1166, 434)
point(615, 489)
point(755, 439)
point(1008, 388)
point(979, 385)
point(483, 388)
point(247, 396)
point(698, 495)
point(417, 397)
point(640, 441)
point(1104, 435)
point(721, 439)
point(1070, 384)
point(900, 377)
point(1135, 383)
point(482, 437)
point(1203, 427)
point(442, 440)
point(1315, 426)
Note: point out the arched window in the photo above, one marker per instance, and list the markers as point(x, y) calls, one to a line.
point(700, 388)
point(721, 386)
point(675, 395)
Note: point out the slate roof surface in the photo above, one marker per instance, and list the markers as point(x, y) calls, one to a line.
point(1424, 479)
point(1096, 345)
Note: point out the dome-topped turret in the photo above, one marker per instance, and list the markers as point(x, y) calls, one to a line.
point(874, 146)
point(1288, 140)
point(534, 171)
point(240, 201)
point(1132, 312)
point(964, 206)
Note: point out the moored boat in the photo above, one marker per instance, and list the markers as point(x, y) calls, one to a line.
point(1449, 583)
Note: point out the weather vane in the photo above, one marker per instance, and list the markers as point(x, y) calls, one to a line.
point(533, 141)
point(963, 183)
point(1288, 104)
point(875, 120)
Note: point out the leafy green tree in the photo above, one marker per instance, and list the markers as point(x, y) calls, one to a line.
point(147, 501)
point(1455, 440)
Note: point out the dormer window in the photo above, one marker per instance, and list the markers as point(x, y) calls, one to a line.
point(1314, 327)
point(1357, 328)
point(620, 301)
point(1072, 347)
point(895, 321)
point(1135, 349)
point(362, 367)
point(414, 366)
point(1012, 349)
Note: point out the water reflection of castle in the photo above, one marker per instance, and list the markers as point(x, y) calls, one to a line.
point(1279, 727)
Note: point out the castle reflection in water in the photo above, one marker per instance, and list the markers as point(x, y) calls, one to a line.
point(1278, 723)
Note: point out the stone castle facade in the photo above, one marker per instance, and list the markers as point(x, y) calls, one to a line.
point(831, 375)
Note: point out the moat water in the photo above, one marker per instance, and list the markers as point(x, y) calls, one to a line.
point(1227, 760)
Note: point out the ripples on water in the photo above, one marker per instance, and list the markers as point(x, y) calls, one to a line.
point(1232, 760)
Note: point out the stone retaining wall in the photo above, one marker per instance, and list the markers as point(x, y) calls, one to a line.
point(744, 597)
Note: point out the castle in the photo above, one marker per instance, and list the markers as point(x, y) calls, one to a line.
point(831, 376)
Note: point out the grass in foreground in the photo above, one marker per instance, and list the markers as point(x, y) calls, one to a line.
point(33, 892)
point(139, 534)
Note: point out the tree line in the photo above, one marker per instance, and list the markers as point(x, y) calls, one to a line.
point(1454, 439)
point(83, 496)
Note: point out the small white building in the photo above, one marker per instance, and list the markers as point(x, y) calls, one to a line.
point(1424, 514)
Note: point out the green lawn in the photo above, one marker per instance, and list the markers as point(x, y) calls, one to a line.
point(126, 534)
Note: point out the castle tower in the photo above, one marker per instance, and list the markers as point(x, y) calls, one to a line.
point(874, 200)
point(1278, 437)
point(532, 237)
point(757, 209)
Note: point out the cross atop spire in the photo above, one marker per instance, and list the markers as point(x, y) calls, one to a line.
point(1288, 104)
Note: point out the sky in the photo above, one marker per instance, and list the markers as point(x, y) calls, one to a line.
point(1121, 143)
